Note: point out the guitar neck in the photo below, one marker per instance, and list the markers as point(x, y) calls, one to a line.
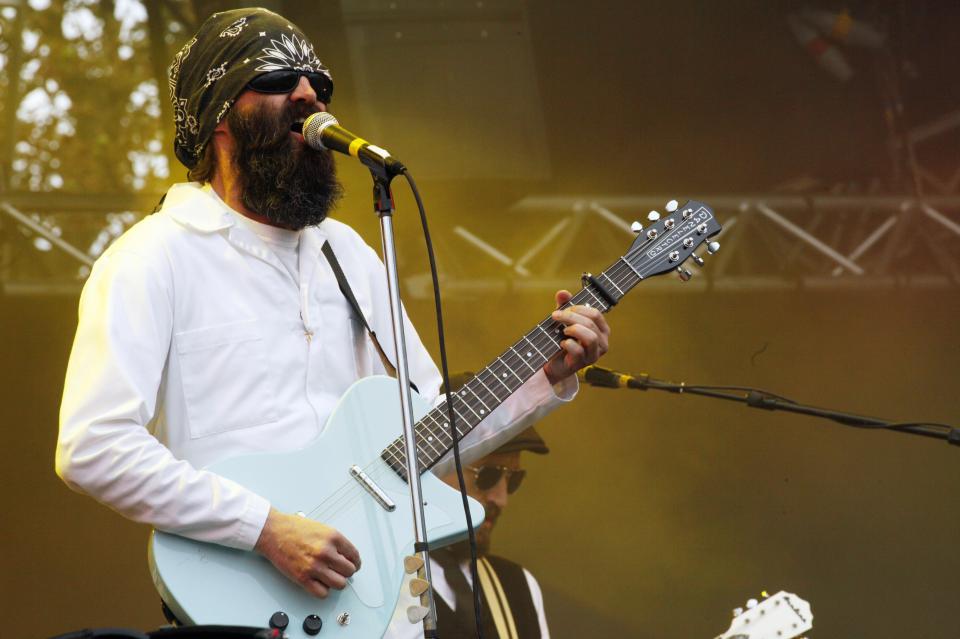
point(489, 388)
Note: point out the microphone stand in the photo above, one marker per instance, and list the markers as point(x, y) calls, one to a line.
point(383, 206)
point(756, 398)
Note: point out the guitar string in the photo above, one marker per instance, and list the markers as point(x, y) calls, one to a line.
point(377, 468)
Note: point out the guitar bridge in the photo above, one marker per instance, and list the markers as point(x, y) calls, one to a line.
point(371, 487)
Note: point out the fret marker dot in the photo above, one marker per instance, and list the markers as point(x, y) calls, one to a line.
point(481, 411)
point(430, 438)
point(529, 353)
point(504, 374)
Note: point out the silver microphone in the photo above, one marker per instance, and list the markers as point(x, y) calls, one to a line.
point(323, 131)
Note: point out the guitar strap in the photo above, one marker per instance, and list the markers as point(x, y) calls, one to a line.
point(352, 300)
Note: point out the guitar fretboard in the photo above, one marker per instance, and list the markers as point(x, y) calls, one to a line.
point(489, 388)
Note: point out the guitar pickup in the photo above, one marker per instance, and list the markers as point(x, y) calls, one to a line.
point(371, 487)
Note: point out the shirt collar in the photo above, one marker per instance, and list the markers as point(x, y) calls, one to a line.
point(198, 207)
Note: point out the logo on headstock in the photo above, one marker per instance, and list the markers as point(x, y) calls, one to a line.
point(677, 235)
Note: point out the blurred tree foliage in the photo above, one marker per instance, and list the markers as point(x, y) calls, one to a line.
point(90, 97)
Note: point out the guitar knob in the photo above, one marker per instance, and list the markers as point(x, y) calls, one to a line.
point(312, 624)
point(636, 227)
point(713, 247)
point(672, 206)
point(279, 620)
point(653, 216)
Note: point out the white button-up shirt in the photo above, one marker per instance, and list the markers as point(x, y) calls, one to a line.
point(195, 344)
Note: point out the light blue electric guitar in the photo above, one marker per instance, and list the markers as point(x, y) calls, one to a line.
point(353, 477)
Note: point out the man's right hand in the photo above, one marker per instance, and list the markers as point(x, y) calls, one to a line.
point(315, 556)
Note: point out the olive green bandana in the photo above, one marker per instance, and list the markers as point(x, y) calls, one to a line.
point(213, 67)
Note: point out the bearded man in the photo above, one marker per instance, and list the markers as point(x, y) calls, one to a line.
point(216, 327)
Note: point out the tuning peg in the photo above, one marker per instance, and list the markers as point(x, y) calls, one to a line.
point(684, 274)
point(416, 613)
point(653, 216)
point(697, 259)
point(751, 603)
point(418, 586)
point(737, 612)
point(412, 563)
point(636, 227)
point(713, 247)
point(672, 206)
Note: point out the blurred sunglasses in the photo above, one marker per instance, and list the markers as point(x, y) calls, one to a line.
point(286, 80)
point(487, 477)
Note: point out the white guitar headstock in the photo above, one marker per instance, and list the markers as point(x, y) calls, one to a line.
point(781, 616)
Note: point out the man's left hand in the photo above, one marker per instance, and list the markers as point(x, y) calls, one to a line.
point(589, 333)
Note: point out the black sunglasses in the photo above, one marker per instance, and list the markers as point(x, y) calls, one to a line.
point(286, 80)
point(487, 477)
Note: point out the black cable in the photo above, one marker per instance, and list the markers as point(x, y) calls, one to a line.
point(450, 413)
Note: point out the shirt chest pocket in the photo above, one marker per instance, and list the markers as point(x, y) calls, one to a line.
point(226, 378)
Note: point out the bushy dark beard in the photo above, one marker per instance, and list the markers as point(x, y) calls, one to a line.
point(289, 183)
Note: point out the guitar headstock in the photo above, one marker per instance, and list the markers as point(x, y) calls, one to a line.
point(671, 239)
point(781, 616)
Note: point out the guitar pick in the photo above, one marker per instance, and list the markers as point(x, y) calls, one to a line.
point(412, 563)
point(416, 613)
point(418, 586)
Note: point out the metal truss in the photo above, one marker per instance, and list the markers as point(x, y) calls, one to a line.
point(774, 242)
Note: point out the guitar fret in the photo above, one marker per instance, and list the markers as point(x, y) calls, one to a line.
point(511, 370)
point(539, 352)
point(465, 403)
point(614, 283)
point(549, 337)
point(500, 381)
point(479, 399)
point(488, 389)
point(624, 260)
point(428, 440)
point(596, 299)
point(532, 369)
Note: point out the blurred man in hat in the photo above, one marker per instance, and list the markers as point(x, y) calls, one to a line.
point(512, 603)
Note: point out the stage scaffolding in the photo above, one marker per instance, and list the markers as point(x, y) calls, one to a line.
point(769, 242)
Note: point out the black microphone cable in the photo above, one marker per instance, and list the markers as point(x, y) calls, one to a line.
point(471, 536)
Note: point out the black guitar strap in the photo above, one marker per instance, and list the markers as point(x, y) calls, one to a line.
point(352, 300)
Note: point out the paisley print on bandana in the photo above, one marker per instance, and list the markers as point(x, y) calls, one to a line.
point(289, 53)
point(234, 29)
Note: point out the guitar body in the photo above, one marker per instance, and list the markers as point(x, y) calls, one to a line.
point(206, 583)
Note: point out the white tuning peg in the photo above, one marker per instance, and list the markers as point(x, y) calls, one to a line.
point(751, 603)
point(672, 206)
point(636, 227)
point(737, 612)
point(713, 247)
point(653, 216)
